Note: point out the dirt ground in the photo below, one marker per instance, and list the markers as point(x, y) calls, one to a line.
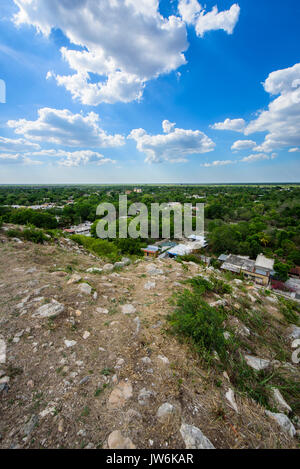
point(61, 396)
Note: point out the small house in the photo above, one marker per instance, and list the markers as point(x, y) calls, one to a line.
point(150, 251)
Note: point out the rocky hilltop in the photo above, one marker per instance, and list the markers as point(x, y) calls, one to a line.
point(87, 359)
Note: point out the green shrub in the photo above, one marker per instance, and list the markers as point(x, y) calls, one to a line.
point(200, 323)
point(29, 234)
point(101, 247)
point(290, 310)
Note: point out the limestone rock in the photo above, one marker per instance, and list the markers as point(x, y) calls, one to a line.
point(165, 410)
point(149, 286)
point(145, 396)
point(126, 261)
point(194, 438)
point(293, 332)
point(279, 401)
point(231, 399)
point(108, 268)
point(128, 309)
point(102, 310)
point(49, 310)
point(119, 395)
point(256, 363)
point(85, 288)
point(74, 279)
point(94, 270)
point(70, 343)
point(284, 422)
point(117, 441)
point(2, 351)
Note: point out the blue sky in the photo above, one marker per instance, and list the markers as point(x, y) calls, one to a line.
point(148, 91)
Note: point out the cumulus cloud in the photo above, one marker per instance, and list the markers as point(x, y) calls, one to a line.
point(168, 126)
point(16, 145)
point(124, 43)
point(173, 146)
point(193, 13)
point(235, 125)
point(281, 120)
point(243, 145)
point(62, 127)
point(83, 157)
point(120, 40)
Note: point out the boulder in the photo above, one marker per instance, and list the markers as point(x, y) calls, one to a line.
point(108, 268)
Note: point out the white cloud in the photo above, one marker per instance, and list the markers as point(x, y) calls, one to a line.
point(219, 163)
point(83, 157)
point(125, 42)
point(16, 145)
point(173, 146)
point(281, 121)
point(193, 13)
point(189, 10)
point(294, 150)
point(248, 159)
point(16, 158)
point(257, 157)
point(62, 127)
point(236, 125)
point(243, 145)
point(168, 126)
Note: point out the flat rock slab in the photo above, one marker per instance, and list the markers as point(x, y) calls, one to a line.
point(2, 351)
point(194, 438)
point(49, 310)
point(94, 270)
point(85, 288)
point(256, 363)
point(117, 441)
point(281, 404)
point(102, 310)
point(119, 395)
point(74, 279)
point(128, 309)
point(294, 332)
point(284, 422)
point(149, 286)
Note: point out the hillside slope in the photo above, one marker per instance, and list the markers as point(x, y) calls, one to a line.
point(97, 374)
